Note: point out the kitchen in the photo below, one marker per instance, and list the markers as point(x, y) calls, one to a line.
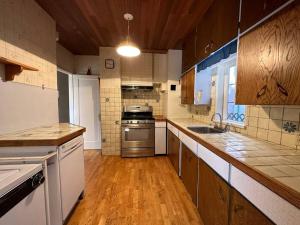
point(149, 112)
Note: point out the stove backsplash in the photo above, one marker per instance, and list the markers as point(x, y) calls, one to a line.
point(139, 97)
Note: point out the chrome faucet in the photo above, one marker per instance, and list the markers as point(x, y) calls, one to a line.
point(220, 118)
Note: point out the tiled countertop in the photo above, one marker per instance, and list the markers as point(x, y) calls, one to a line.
point(275, 162)
point(52, 135)
point(160, 118)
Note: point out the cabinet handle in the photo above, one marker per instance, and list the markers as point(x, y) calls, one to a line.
point(238, 208)
point(206, 47)
point(265, 5)
point(211, 45)
point(262, 91)
point(282, 89)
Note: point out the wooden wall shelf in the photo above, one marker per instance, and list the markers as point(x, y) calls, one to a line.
point(13, 68)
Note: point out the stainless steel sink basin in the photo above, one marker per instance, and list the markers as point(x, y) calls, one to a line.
point(206, 130)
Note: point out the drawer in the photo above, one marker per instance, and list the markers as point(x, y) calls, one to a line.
point(160, 124)
point(173, 129)
point(160, 140)
point(272, 205)
point(189, 142)
point(218, 164)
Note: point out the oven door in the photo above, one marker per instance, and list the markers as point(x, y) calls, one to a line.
point(138, 136)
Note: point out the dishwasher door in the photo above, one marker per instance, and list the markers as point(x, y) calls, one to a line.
point(71, 175)
point(30, 211)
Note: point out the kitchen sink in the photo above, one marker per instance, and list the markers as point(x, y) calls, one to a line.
point(206, 130)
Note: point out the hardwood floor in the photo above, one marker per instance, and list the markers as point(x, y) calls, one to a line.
point(138, 191)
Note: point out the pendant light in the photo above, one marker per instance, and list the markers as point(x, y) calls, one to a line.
point(127, 48)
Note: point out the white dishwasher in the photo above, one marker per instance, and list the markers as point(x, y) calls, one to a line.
point(22, 196)
point(71, 167)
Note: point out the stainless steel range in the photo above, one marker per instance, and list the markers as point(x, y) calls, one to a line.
point(138, 131)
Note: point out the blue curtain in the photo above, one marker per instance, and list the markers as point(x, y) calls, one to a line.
point(219, 55)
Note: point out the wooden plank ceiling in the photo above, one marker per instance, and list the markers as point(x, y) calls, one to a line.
point(84, 25)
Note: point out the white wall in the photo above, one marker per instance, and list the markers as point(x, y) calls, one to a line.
point(83, 62)
point(27, 35)
point(64, 58)
point(173, 106)
point(23, 106)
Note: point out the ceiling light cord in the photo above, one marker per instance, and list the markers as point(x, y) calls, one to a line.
point(128, 29)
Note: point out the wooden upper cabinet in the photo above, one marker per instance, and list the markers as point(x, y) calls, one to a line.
point(187, 87)
point(189, 172)
point(243, 212)
point(183, 82)
point(269, 62)
point(252, 11)
point(213, 196)
point(189, 51)
point(218, 26)
point(204, 35)
point(173, 150)
point(226, 21)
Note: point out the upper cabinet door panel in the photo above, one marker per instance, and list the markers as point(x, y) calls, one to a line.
point(269, 62)
point(204, 35)
point(183, 89)
point(189, 51)
point(225, 27)
point(190, 80)
point(218, 26)
point(253, 11)
point(187, 87)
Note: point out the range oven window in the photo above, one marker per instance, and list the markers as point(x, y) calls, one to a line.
point(137, 134)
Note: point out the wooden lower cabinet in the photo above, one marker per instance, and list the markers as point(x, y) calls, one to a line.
point(189, 172)
point(173, 150)
point(243, 212)
point(213, 196)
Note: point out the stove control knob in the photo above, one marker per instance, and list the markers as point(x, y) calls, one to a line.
point(137, 122)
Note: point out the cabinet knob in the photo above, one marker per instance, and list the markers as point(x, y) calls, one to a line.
point(206, 48)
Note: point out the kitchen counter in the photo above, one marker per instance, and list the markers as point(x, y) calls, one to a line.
point(52, 135)
point(160, 118)
point(275, 166)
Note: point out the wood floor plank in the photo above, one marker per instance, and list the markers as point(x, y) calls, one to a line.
point(139, 191)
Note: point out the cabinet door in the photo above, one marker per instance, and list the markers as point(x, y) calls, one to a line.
point(223, 16)
point(190, 86)
point(253, 11)
point(213, 196)
point(269, 62)
point(183, 83)
point(243, 212)
point(189, 51)
point(189, 172)
point(173, 150)
point(226, 13)
point(204, 35)
point(160, 140)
